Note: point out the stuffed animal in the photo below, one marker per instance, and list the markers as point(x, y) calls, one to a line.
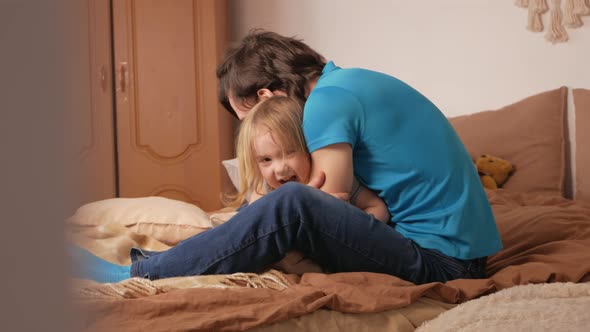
point(493, 171)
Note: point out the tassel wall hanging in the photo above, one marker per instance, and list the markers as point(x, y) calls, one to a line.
point(570, 17)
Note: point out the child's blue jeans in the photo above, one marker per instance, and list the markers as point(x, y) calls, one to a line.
point(335, 234)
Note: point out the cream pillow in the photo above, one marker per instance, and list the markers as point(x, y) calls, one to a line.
point(221, 217)
point(233, 170)
point(167, 220)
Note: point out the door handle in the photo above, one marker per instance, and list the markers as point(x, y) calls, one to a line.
point(123, 77)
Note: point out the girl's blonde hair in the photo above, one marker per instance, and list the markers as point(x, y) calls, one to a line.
point(282, 118)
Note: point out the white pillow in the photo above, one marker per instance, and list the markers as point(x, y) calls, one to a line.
point(167, 220)
point(232, 168)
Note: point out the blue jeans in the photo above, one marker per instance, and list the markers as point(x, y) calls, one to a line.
point(335, 234)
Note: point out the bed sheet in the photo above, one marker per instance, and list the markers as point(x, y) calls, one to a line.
point(546, 240)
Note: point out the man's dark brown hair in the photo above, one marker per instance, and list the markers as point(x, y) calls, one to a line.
point(268, 60)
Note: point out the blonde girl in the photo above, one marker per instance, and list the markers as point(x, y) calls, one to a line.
point(271, 151)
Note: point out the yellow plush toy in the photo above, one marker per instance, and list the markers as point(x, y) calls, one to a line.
point(493, 171)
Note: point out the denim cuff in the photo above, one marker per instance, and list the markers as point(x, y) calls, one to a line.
point(137, 257)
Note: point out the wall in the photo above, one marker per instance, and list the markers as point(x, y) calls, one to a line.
point(465, 55)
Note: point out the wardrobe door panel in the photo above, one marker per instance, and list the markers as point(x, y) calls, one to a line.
point(90, 125)
point(171, 133)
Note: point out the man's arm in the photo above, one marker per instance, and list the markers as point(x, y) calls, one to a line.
point(335, 161)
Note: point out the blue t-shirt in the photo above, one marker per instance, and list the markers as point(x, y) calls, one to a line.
point(406, 151)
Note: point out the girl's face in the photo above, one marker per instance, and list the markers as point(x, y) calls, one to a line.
point(277, 169)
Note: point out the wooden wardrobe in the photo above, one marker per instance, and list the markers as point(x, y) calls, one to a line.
point(153, 123)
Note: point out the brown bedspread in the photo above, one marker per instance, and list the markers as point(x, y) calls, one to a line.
point(546, 239)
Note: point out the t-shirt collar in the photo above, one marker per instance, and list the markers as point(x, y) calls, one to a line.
point(330, 66)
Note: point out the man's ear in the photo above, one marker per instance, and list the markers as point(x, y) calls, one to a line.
point(264, 94)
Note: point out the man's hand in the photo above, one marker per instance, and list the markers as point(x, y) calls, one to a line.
point(319, 180)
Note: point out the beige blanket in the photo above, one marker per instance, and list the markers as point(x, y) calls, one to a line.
point(546, 239)
point(542, 307)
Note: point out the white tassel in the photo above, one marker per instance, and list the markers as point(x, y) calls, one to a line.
point(571, 19)
point(581, 8)
point(556, 33)
point(536, 9)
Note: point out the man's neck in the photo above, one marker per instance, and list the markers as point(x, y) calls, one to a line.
point(310, 86)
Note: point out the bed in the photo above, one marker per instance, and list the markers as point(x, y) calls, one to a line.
point(540, 280)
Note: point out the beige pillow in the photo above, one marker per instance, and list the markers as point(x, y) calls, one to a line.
point(166, 220)
point(582, 104)
point(221, 217)
point(530, 133)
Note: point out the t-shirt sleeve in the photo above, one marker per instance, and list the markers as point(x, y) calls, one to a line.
point(331, 115)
